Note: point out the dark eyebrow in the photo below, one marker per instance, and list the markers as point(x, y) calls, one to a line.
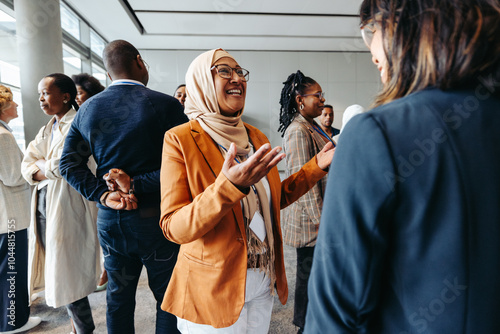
point(237, 66)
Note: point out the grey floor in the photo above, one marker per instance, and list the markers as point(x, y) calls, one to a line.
point(56, 321)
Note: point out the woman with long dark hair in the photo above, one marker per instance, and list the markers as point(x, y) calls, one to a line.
point(409, 240)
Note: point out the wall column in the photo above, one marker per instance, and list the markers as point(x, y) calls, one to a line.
point(39, 39)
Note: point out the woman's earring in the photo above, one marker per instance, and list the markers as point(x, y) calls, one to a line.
point(65, 101)
point(301, 107)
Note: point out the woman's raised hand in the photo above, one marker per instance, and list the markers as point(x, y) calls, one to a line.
point(324, 157)
point(253, 169)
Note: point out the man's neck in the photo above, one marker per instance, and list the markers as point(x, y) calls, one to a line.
point(327, 129)
point(127, 82)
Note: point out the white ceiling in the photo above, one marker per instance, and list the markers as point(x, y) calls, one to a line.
point(271, 25)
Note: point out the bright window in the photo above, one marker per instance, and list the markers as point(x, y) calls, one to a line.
point(70, 22)
point(97, 44)
point(99, 73)
point(72, 61)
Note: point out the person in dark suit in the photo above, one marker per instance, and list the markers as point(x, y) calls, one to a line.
point(409, 240)
point(123, 128)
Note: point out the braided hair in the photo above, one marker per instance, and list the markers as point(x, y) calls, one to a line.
point(296, 84)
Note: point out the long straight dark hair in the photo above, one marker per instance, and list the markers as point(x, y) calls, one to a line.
point(447, 44)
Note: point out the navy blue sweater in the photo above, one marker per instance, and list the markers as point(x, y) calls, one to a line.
point(122, 127)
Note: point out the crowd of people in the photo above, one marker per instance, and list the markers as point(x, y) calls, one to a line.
point(400, 221)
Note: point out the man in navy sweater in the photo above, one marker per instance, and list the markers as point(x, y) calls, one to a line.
point(123, 129)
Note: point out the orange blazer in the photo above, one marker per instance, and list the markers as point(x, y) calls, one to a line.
point(200, 209)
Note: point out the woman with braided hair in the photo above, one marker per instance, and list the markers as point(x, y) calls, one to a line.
point(302, 100)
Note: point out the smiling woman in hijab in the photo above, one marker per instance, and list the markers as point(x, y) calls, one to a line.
point(221, 199)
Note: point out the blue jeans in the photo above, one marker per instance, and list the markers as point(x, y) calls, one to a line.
point(129, 240)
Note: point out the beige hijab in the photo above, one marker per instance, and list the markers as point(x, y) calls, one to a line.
point(202, 105)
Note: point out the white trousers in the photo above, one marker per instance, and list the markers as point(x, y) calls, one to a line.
point(255, 316)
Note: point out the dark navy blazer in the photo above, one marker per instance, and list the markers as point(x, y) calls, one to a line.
point(409, 240)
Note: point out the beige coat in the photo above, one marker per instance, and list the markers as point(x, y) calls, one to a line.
point(14, 191)
point(69, 268)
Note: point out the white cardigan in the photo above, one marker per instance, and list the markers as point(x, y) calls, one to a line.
point(70, 266)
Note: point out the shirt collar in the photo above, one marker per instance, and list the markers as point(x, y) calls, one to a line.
point(5, 125)
point(127, 82)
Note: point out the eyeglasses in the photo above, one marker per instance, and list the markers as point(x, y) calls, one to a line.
point(320, 95)
point(367, 32)
point(145, 64)
point(226, 72)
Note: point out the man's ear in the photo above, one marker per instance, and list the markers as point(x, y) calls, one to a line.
point(140, 62)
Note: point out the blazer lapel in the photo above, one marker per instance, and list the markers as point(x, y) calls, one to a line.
point(207, 147)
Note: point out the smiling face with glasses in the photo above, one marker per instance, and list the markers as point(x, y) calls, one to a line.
point(311, 103)
point(230, 81)
point(226, 72)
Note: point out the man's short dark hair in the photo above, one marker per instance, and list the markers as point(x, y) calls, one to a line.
point(118, 56)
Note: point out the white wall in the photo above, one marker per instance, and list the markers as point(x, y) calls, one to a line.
point(347, 78)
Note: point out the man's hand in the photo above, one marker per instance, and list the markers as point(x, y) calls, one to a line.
point(120, 201)
point(252, 170)
point(324, 157)
point(117, 179)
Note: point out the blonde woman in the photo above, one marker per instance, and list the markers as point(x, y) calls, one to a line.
point(14, 221)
